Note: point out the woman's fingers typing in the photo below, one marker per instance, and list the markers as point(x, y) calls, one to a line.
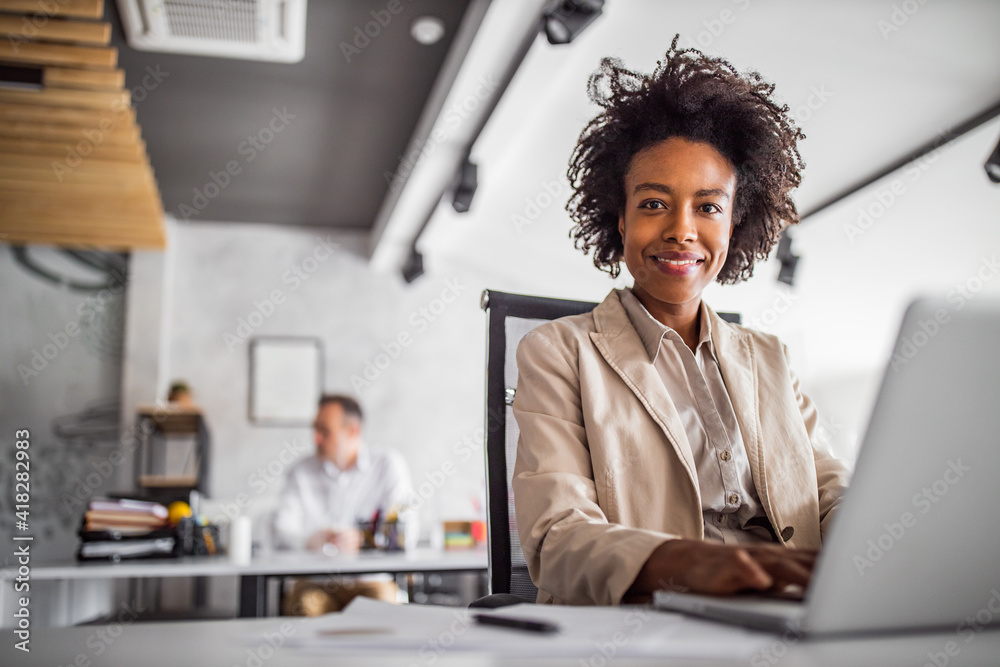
point(720, 569)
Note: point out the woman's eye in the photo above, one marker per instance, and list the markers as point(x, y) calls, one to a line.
point(653, 204)
point(711, 208)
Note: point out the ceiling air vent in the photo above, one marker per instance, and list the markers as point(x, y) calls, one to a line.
point(272, 30)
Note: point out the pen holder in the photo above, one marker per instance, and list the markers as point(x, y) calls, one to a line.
point(369, 533)
point(194, 539)
point(394, 533)
point(384, 534)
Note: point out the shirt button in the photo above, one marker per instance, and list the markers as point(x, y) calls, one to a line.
point(725, 455)
point(720, 518)
point(734, 499)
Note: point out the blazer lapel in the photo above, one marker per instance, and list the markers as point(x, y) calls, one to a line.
point(621, 347)
point(738, 362)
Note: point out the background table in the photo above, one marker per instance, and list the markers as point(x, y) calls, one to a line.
point(254, 576)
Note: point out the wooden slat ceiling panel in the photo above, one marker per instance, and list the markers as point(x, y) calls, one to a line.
point(133, 153)
point(60, 77)
point(37, 168)
point(41, 53)
point(73, 165)
point(85, 9)
point(56, 30)
point(80, 118)
point(60, 206)
point(113, 136)
point(65, 97)
point(78, 186)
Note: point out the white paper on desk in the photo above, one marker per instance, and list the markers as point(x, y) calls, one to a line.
point(585, 631)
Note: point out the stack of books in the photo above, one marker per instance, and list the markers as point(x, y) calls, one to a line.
point(118, 529)
point(458, 535)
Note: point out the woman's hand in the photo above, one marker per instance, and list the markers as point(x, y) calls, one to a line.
point(694, 566)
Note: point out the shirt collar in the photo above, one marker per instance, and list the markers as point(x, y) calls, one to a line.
point(362, 464)
point(651, 331)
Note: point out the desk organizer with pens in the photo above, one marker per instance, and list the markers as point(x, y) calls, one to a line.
point(385, 532)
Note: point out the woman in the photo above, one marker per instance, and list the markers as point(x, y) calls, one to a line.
point(662, 447)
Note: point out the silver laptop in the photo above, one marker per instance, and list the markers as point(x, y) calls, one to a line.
point(916, 543)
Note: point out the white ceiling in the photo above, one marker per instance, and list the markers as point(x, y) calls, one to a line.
point(888, 92)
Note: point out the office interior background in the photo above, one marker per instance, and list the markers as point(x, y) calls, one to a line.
point(357, 180)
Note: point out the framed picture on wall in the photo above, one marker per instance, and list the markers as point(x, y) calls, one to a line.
point(286, 379)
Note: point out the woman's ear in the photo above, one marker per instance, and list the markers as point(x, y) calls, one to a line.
point(621, 226)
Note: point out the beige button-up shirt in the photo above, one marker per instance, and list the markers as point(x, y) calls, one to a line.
point(730, 506)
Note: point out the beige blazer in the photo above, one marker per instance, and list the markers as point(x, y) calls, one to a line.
point(604, 472)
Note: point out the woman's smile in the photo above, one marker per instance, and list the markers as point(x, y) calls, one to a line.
point(676, 263)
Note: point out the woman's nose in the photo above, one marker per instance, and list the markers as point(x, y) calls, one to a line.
point(680, 226)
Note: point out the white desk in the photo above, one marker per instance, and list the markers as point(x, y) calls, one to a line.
point(248, 642)
point(253, 577)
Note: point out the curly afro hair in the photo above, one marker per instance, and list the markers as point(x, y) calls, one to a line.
point(700, 98)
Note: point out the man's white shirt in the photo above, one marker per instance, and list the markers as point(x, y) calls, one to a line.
point(319, 495)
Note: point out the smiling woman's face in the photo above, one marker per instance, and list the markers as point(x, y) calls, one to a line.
point(676, 224)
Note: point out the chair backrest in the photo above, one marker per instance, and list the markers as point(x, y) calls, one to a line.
point(510, 317)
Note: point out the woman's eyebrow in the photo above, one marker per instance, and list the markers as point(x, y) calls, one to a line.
point(665, 189)
point(659, 187)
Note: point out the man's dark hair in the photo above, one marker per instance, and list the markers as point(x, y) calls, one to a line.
point(699, 98)
point(348, 404)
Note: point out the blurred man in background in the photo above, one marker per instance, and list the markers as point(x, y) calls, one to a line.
point(325, 497)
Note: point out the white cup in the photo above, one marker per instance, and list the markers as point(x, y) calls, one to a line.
point(240, 541)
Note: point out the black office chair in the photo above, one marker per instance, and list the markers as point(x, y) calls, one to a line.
point(510, 317)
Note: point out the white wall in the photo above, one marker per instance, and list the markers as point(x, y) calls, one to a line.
point(421, 397)
point(59, 355)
